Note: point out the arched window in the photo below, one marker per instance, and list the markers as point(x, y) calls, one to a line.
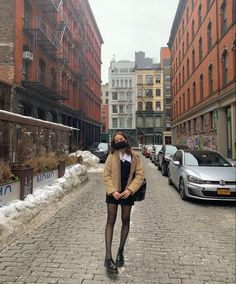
point(210, 79)
point(42, 71)
point(201, 87)
point(209, 36)
point(187, 15)
point(194, 94)
point(208, 4)
point(193, 32)
point(140, 106)
point(148, 79)
point(223, 17)
point(193, 59)
point(183, 102)
point(188, 98)
point(53, 79)
point(200, 49)
point(199, 15)
point(188, 72)
point(225, 67)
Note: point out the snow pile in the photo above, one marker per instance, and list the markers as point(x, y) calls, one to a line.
point(19, 212)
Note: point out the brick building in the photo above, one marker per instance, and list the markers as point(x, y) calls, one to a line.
point(203, 60)
point(50, 55)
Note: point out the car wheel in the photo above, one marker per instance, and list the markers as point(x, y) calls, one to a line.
point(182, 190)
point(169, 179)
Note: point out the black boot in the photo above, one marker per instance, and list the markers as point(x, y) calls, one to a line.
point(110, 265)
point(120, 259)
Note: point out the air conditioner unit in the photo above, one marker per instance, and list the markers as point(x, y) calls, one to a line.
point(27, 55)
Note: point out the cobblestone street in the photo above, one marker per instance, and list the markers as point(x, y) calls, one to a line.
point(170, 241)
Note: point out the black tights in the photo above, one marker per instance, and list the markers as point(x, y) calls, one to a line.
point(111, 219)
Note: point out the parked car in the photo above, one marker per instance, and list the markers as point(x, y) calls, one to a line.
point(155, 154)
point(202, 174)
point(164, 156)
point(101, 150)
point(147, 151)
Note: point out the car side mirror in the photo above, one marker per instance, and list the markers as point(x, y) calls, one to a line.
point(176, 163)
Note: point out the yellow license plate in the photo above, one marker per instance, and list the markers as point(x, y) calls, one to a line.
point(223, 191)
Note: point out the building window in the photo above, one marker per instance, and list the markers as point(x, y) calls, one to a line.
point(158, 106)
point(193, 59)
point(121, 83)
point(53, 79)
point(183, 26)
point(114, 96)
point(192, 29)
point(183, 74)
point(114, 122)
point(106, 101)
point(183, 102)
point(187, 15)
point(167, 77)
point(225, 67)
point(180, 106)
point(42, 71)
point(113, 83)
point(199, 15)
point(194, 94)
point(140, 79)
point(117, 83)
point(223, 18)
point(188, 98)
point(149, 93)
point(114, 109)
point(130, 83)
point(126, 83)
point(234, 55)
point(183, 50)
point(210, 79)
point(187, 40)
point(149, 106)
point(148, 79)
point(158, 92)
point(27, 16)
point(192, 4)
point(200, 49)
point(140, 106)
point(208, 4)
point(158, 79)
point(201, 87)
point(234, 10)
point(140, 92)
point(188, 68)
point(209, 36)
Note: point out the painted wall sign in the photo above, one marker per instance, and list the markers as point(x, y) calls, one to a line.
point(44, 178)
point(9, 192)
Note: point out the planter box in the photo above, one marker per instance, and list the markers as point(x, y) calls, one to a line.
point(25, 174)
point(9, 192)
point(45, 178)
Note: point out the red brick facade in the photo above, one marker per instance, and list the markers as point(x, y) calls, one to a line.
point(203, 50)
point(50, 52)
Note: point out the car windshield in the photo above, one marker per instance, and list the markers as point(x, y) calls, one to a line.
point(170, 150)
point(103, 146)
point(209, 159)
point(157, 149)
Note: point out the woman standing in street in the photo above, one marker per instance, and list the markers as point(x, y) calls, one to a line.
point(123, 176)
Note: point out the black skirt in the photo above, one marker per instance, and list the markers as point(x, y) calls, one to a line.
point(125, 170)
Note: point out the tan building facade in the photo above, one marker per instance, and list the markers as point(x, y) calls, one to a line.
point(149, 105)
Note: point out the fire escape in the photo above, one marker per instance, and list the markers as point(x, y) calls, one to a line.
point(48, 37)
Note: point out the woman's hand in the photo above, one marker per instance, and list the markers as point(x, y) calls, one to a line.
point(116, 195)
point(126, 193)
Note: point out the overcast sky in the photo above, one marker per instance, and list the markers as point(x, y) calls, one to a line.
point(132, 25)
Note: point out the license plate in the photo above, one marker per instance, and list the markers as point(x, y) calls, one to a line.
point(223, 191)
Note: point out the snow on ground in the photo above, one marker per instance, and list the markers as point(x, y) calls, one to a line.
point(19, 212)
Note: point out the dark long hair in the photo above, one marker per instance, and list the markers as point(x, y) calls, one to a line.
point(128, 150)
